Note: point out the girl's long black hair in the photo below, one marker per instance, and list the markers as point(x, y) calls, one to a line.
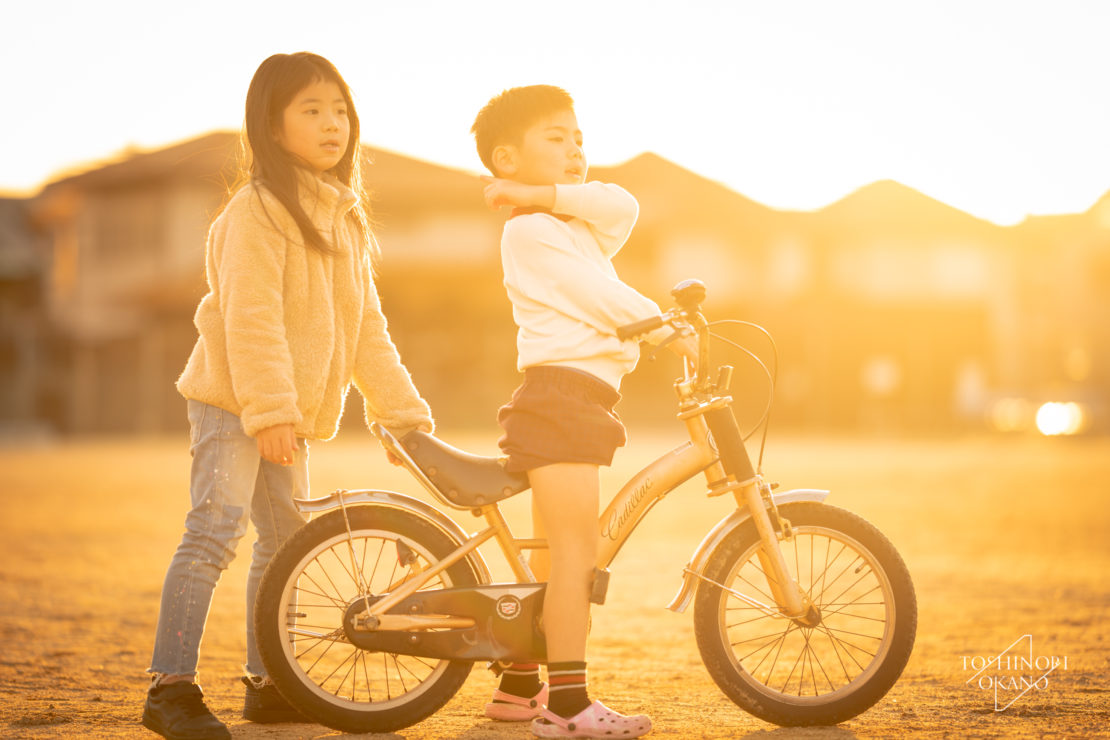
point(264, 162)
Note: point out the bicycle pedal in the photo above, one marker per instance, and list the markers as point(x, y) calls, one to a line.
point(600, 586)
point(497, 667)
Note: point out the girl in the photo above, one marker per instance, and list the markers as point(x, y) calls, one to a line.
point(291, 318)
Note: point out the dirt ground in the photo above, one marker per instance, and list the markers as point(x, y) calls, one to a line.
point(1004, 538)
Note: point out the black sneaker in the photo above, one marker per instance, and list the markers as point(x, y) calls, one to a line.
point(264, 704)
point(176, 711)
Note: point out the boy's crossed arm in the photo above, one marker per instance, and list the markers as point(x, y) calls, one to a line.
point(609, 211)
point(500, 192)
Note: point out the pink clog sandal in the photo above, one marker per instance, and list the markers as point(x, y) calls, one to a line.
point(596, 720)
point(511, 708)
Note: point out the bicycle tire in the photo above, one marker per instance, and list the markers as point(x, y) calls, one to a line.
point(286, 611)
point(868, 640)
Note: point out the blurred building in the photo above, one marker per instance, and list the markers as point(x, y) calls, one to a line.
point(891, 311)
point(22, 327)
point(122, 274)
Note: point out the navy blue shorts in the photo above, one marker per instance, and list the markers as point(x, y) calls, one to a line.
point(560, 415)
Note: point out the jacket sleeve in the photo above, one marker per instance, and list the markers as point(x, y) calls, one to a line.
point(249, 251)
point(609, 210)
point(549, 270)
point(388, 393)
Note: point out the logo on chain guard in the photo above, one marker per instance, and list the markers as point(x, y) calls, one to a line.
point(508, 607)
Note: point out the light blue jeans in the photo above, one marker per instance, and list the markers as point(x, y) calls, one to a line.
point(231, 483)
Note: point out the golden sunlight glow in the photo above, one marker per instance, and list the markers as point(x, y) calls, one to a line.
point(793, 105)
point(1056, 418)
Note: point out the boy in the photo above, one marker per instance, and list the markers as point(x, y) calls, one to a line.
point(556, 252)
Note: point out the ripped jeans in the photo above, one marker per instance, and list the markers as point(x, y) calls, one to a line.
point(230, 484)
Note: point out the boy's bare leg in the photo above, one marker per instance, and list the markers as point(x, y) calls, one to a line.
point(566, 497)
point(540, 559)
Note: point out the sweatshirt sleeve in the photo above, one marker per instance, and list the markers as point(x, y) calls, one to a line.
point(249, 254)
point(388, 393)
point(549, 270)
point(609, 210)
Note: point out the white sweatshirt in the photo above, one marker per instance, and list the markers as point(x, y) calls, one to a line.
point(567, 298)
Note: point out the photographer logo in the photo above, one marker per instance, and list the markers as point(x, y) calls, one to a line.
point(1013, 673)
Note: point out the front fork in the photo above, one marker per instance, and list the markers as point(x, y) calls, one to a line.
point(791, 600)
point(752, 492)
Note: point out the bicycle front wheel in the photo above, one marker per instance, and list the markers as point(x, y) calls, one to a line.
point(306, 590)
point(822, 670)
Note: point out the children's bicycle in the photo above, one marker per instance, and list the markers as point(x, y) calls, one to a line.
point(371, 616)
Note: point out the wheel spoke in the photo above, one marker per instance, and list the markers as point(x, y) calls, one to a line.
point(377, 561)
point(366, 675)
point(338, 690)
point(852, 645)
point(849, 632)
point(343, 566)
point(327, 573)
point(308, 649)
point(400, 677)
point(772, 636)
point(827, 584)
point(349, 674)
point(756, 618)
point(320, 657)
point(337, 602)
point(842, 605)
point(766, 596)
point(853, 585)
point(821, 665)
point(786, 682)
point(778, 651)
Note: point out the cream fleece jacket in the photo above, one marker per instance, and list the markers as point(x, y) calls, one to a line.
point(567, 299)
point(285, 329)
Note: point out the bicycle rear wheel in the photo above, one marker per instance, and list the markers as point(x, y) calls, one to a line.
point(302, 599)
point(791, 673)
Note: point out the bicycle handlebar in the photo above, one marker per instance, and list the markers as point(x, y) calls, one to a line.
point(636, 328)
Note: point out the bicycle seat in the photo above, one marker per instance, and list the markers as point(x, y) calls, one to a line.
point(466, 480)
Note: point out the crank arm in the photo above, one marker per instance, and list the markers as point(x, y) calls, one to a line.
point(334, 635)
point(408, 622)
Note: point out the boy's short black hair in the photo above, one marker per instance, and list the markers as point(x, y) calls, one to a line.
point(506, 117)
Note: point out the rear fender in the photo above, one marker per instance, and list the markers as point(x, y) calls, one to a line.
point(392, 500)
point(695, 569)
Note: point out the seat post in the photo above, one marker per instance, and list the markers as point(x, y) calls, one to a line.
point(510, 546)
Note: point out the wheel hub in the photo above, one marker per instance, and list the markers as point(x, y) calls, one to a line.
point(811, 618)
point(355, 614)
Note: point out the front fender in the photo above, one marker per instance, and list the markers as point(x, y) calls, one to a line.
point(392, 500)
point(696, 567)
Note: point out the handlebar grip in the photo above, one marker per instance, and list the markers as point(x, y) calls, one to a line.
point(636, 328)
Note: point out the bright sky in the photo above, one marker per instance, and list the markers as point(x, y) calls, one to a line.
point(996, 107)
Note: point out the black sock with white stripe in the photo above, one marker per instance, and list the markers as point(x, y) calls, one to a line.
point(521, 679)
point(567, 684)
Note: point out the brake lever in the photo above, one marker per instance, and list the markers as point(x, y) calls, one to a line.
point(678, 333)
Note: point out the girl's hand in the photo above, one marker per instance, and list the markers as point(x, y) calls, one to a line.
point(499, 192)
point(278, 444)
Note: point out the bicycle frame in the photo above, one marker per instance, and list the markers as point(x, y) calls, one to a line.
point(616, 523)
point(719, 454)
